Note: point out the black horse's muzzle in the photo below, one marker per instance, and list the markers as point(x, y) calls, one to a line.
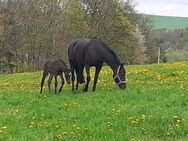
point(123, 85)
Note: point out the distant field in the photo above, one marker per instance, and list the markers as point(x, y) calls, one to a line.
point(154, 107)
point(169, 22)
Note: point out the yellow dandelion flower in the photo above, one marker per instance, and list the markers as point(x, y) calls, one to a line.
point(178, 121)
point(4, 127)
point(17, 110)
point(175, 116)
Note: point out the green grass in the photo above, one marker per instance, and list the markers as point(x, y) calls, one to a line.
point(169, 22)
point(154, 107)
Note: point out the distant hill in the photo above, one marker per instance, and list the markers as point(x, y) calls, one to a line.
point(169, 22)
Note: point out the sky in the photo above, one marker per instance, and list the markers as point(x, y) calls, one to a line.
point(163, 7)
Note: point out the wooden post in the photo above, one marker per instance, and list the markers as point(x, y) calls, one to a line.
point(159, 53)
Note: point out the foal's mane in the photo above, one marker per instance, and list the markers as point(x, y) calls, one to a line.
point(63, 63)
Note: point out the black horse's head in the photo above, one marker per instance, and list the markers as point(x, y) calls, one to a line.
point(119, 76)
point(68, 76)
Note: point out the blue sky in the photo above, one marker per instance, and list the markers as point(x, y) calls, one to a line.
point(163, 7)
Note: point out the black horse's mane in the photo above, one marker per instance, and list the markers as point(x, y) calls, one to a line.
point(109, 49)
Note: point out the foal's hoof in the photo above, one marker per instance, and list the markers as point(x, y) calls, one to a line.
point(84, 91)
point(73, 91)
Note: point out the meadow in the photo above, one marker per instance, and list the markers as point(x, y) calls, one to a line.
point(169, 22)
point(154, 107)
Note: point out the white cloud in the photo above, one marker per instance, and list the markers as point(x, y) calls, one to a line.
point(163, 7)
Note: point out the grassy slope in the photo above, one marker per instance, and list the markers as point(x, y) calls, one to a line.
point(169, 22)
point(154, 107)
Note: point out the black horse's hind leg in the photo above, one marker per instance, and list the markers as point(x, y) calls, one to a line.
point(55, 84)
point(77, 84)
point(63, 81)
point(88, 78)
point(49, 81)
point(97, 70)
point(77, 78)
point(73, 79)
point(42, 80)
point(80, 76)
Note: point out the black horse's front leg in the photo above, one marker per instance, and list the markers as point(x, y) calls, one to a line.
point(73, 79)
point(88, 78)
point(55, 84)
point(77, 84)
point(98, 68)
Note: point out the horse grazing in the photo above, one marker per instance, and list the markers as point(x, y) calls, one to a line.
point(94, 52)
point(55, 68)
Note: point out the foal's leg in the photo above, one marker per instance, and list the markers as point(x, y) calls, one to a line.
point(63, 81)
point(55, 83)
point(88, 78)
point(42, 80)
point(49, 81)
point(97, 70)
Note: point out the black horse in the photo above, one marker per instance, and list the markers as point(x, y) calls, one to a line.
point(93, 52)
point(55, 68)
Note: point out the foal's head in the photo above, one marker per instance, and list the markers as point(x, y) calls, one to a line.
point(68, 76)
point(119, 76)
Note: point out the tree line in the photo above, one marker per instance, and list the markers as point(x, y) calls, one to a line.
point(35, 31)
point(173, 44)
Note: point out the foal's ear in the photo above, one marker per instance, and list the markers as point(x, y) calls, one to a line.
point(122, 64)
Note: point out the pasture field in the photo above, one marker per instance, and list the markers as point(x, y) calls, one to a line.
point(169, 22)
point(154, 107)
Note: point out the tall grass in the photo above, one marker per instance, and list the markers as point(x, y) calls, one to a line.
point(154, 107)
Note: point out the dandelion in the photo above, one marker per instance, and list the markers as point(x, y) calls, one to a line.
point(57, 126)
point(143, 117)
point(17, 110)
point(175, 117)
point(32, 123)
point(178, 121)
point(4, 127)
point(110, 130)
